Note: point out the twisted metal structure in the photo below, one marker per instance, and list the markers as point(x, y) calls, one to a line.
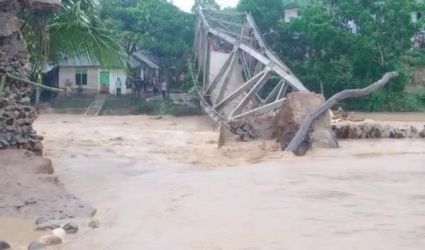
point(241, 77)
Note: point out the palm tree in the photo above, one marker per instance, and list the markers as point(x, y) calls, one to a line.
point(77, 30)
point(52, 31)
point(74, 30)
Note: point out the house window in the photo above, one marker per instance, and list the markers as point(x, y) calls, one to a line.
point(81, 77)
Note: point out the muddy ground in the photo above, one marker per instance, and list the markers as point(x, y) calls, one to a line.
point(163, 184)
point(29, 189)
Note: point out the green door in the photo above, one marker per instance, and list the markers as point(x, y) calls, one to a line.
point(104, 82)
point(104, 78)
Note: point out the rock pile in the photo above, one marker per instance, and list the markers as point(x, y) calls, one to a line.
point(56, 236)
point(367, 130)
point(339, 114)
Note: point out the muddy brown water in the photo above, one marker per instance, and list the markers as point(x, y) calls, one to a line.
point(163, 184)
point(18, 231)
point(398, 117)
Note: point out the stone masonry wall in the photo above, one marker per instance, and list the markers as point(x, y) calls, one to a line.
point(16, 112)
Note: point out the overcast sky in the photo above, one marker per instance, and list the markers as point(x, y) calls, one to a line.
point(186, 5)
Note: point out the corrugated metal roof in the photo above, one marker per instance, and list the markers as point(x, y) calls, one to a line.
point(143, 57)
point(79, 62)
point(134, 61)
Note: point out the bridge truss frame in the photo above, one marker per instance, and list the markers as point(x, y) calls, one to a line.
point(258, 62)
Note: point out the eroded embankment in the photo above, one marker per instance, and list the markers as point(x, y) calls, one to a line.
point(29, 188)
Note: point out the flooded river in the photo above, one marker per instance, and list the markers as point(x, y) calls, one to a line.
point(163, 184)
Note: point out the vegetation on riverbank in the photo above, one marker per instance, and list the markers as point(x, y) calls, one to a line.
point(328, 55)
point(319, 46)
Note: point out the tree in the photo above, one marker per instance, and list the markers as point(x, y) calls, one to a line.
point(78, 30)
point(73, 30)
point(267, 13)
point(155, 25)
point(316, 49)
point(322, 49)
point(126, 19)
point(211, 4)
point(301, 137)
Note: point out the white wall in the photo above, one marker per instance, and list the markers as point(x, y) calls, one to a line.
point(93, 78)
point(68, 72)
point(113, 76)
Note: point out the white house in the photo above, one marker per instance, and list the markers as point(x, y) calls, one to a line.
point(91, 76)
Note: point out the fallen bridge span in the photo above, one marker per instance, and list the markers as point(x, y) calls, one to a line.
point(241, 77)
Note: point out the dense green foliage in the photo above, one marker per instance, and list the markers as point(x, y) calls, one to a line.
point(322, 49)
point(74, 29)
point(211, 4)
point(266, 13)
point(415, 57)
point(319, 46)
point(154, 25)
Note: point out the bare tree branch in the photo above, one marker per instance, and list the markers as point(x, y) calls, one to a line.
point(301, 135)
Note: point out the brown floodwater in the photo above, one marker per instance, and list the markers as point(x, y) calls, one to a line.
point(18, 232)
point(163, 184)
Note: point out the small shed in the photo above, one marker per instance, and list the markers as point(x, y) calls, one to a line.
point(290, 14)
point(145, 66)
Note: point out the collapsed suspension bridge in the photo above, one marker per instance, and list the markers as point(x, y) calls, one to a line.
point(241, 77)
